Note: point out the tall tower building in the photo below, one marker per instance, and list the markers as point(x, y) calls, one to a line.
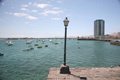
point(99, 28)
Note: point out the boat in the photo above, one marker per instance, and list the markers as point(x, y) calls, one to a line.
point(27, 49)
point(115, 42)
point(39, 47)
point(50, 40)
point(31, 48)
point(43, 40)
point(56, 42)
point(29, 45)
point(1, 54)
point(46, 45)
point(9, 43)
point(36, 45)
point(29, 42)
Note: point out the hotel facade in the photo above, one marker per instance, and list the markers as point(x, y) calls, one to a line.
point(99, 26)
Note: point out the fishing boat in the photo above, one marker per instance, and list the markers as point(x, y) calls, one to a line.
point(39, 47)
point(1, 54)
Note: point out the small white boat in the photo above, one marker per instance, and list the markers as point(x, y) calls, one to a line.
point(43, 40)
point(9, 43)
point(50, 40)
point(29, 42)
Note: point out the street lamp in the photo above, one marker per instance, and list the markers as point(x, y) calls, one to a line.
point(64, 67)
point(65, 24)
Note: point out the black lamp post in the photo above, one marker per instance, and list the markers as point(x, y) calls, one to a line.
point(64, 67)
point(65, 24)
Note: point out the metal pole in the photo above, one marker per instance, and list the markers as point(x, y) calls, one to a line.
point(65, 45)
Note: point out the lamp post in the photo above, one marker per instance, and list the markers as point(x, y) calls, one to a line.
point(65, 24)
point(64, 67)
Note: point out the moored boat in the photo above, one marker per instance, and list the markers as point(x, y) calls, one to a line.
point(39, 47)
point(27, 49)
point(56, 42)
point(50, 40)
point(29, 42)
point(36, 45)
point(46, 45)
point(31, 48)
point(9, 43)
point(115, 42)
point(1, 54)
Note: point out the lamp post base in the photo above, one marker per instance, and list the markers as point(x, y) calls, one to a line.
point(64, 69)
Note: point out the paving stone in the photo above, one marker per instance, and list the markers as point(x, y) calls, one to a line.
point(86, 74)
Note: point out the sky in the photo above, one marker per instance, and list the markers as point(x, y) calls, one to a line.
point(44, 18)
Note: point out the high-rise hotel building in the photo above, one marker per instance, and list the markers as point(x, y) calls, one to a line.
point(99, 28)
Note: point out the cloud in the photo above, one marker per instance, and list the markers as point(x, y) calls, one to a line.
point(46, 12)
point(24, 5)
point(56, 19)
point(31, 17)
point(59, 2)
point(20, 14)
point(8, 13)
point(25, 15)
point(55, 8)
point(41, 5)
point(29, 3)
point(24, 9)
point(33, 10)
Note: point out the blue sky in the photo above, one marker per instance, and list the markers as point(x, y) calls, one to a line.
point(44, 18)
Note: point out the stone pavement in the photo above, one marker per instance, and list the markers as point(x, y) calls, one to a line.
point(86, 74)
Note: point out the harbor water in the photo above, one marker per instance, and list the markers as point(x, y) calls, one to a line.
point(17, 64)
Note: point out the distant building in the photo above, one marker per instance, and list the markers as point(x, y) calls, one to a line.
point(119, 34)
point(99, 26)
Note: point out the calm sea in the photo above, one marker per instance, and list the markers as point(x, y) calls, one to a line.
point(17, 64)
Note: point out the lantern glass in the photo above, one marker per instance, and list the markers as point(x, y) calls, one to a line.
point(66, 22)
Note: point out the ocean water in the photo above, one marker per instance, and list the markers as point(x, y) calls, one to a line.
point(17, 64)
